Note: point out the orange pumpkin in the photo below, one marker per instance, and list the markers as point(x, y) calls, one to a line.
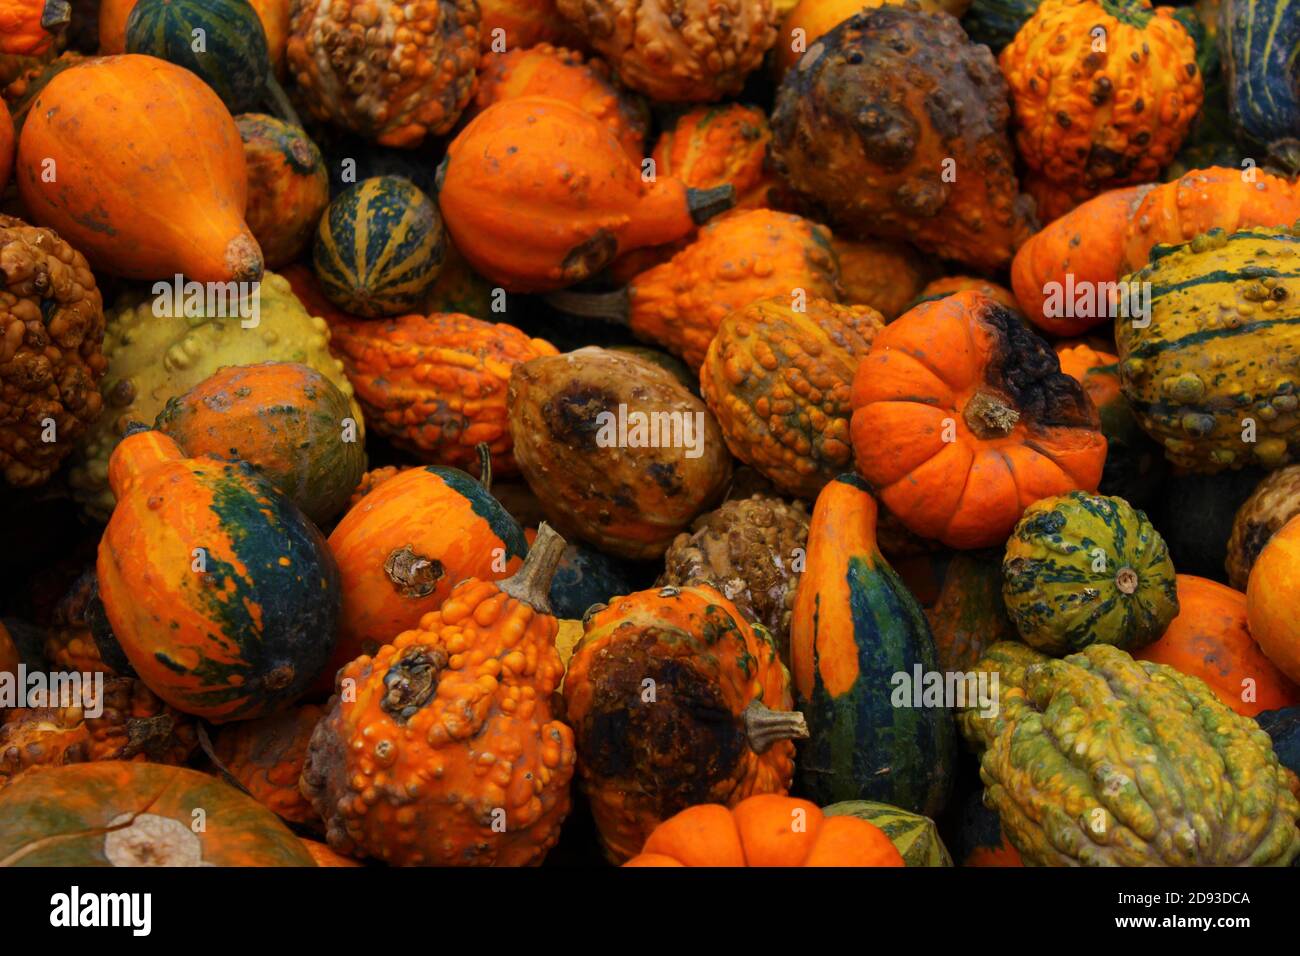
point(166, 198)
point(947, 285)
point(537, 194)
point(1210, 639)
point(324, 856)
point(1273, 600)
point(963, 418)
point(766, 830)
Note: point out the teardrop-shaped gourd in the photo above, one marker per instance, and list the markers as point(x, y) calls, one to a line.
point(855, 628)
point(538, 195)
point(220, 592)
point(139, 165)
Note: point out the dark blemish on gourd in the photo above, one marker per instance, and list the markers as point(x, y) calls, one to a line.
point(589, 256)
point(664, 474)
point(572, 415)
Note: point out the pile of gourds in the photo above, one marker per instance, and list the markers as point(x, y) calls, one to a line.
point(553, 429)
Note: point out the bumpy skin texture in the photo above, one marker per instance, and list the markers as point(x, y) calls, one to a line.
point(1094, 118)
point(288, 186)
point(27, 27)
point(677, 51)
point(153, 358)
point(883, 112)
point(1021, 428)
point(1084, 569)
point(115, 813)
point(815, 17)
point(51, 336)
point(392, 72)
point(1087, 243)
point(759, 832)
point(546, 70)
point(133, 725)
point(1198, 374)
point(69, 643)
point(643, 761)
point(285, 419)
point(436, 384)
point(1270, 506)
point(266, 756)
point(779, 382)
point(451, 734)
point(1205, 199)
point(747, 550)
point(715, 145)
point(737, 260)
point(888, 276)
point(626, 498)
point(1210, 639)
point(1100, 760)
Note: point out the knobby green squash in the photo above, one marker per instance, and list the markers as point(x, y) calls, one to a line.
point(379, 248)
point(855, 629)
point(1086, 569)
point(221, 41)
point(915, 837)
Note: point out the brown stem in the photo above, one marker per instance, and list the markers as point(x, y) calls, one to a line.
point(532, 583)
point(279, 103)
point(605, 306)
point(412, 681)
point(484, 465)
point(989, 415)
point(764, 726)
point(56, 15)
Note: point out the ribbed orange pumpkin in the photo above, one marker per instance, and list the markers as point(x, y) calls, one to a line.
point(167, 198)
point(447, 751)
point(538, 194)
point(1210, 639)
point(675, 699)
point(545, 70)
point(779, 381)
point(436, 384)
point(766, 830)
point(962, 419)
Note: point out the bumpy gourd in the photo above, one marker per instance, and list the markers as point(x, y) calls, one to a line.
point(1062, 758)
point(691, 52)
point(28, 27)
point(51, 359)
point(895, 125)
point(1083, 569)
point(1017, 427)
point(69, 643)
point(1212, 377)
point(720, 726)
point(1274, 502)
point(266, 756)
point(538, 194)
point(808, 20)
point(605, 470)
point(779, 379)
point(448, 752)
point(220, 592)
point(288, 186)
point(152, 358)
point(391, 72)
point(712, 146)
point(168, 198)
point(436, 385)
point(1098, 110)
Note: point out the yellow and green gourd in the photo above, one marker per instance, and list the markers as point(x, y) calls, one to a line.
point(379, 248)
point(1085, 569)
point(153, 358)
point(1215, 375)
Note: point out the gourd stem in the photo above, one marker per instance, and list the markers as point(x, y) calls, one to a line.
point(1285, 153)
point(990, 415)
point(704, 204)
point(1126, 580)
point(484, 465)
point(606, 306)
point(764, 726)
point(55, 15)
point(532, 583)
point(279, 102)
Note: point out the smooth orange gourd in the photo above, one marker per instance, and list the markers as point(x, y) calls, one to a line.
point(1273, 600)
point(139, 165)
point(766, 830)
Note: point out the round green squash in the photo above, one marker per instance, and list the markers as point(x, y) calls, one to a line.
point(585, 577)
point(1259, 43)
point(122, 813)
point(915, 837)
point(220, 41)
point(285, 419)
point(379, 248)
point(288, 186)
point(1085, 569)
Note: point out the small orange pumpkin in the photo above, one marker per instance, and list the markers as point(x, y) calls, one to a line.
point(1273, 600)
point(963, 418)
point(766, 830)
point(1210, 639)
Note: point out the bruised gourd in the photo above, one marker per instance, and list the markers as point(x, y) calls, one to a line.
point(675, 699)
point(448, 751)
